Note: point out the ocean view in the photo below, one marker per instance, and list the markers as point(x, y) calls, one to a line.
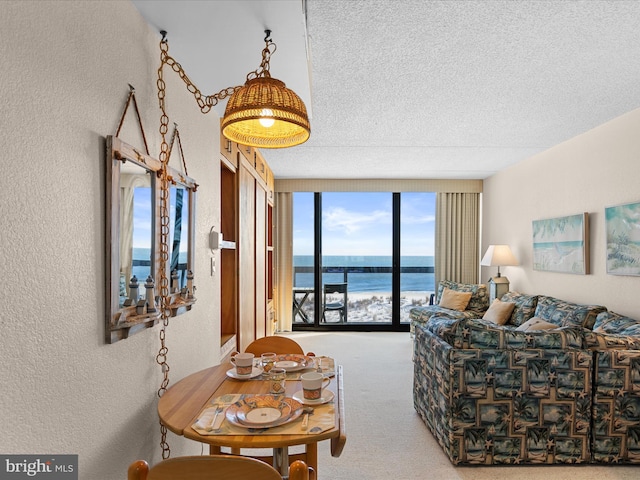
point(142, 260)
point(367, 281)
point(368, 278)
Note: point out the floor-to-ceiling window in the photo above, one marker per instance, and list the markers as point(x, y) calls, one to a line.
point(417, 247)
point(303, 258)
point(379, 245)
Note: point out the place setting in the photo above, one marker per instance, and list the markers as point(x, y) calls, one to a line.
point(264, 415)
point(246, 366)
point(263, 411)
point(272, 413)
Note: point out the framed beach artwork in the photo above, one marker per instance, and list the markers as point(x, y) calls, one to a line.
point(623, 239)
point(562, 244)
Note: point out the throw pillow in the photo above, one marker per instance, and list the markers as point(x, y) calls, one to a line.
point(536, 323)
point(499, 312)
point(455, 300)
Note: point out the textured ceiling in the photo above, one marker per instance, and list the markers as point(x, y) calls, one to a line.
point(421, 89)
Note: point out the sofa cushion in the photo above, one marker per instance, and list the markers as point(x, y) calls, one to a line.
point(525, 306)
point(479, 294)
point(454, 300)
point(611, 322)
point(567, 314)
point(499, 312)
point(613, 331)
point(534, 324)
point(442, 327)
point(423, 313)
point(482, 334)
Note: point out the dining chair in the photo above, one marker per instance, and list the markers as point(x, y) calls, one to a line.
point(215, 467)
point(275, 344)
point(339, 305)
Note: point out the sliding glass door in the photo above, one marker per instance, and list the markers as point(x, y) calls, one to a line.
point(357, 248)
point(417, 247)
point(361, 259)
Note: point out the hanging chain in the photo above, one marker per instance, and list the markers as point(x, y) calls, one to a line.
point(205, 103)
point(263, 69)
point(165, 311)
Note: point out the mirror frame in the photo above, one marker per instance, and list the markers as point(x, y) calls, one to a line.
point(182, 302)
point(121, 322)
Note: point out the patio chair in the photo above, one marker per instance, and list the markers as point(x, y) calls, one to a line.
point(339, 305)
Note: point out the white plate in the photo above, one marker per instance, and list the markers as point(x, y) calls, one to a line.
point(261, 416)
point(295, 410)
point(255, 371)
point(288, 365)
point(326, 397)
point(294, 362)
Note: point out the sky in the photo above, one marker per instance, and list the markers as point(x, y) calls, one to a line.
point(142, 218)
point(360, 223)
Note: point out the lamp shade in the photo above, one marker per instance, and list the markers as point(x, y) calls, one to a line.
point(264, 113)
point(498, 256)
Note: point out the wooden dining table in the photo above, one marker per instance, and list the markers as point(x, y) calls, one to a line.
point(181, 405)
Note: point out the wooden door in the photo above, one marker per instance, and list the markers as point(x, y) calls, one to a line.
point(246, 255)
point(261, 261)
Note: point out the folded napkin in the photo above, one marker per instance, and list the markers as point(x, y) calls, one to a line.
point(211, 418)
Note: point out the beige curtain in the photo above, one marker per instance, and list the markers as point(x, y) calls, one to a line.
point(128, 184)
point(457, 242)
point(283, 293)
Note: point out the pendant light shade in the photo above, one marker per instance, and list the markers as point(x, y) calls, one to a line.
point(265, 113)
point(261, 113)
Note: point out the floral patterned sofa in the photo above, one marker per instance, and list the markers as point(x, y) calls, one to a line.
point(493, 394)
point(476, 307)
point(615, 341)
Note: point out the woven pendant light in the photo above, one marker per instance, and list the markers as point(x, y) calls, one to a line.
point(264, 112)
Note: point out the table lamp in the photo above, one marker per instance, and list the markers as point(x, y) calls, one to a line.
point(498, 256)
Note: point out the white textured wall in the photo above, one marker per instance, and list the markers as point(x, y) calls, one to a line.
point(597, 169)
point(63, 84)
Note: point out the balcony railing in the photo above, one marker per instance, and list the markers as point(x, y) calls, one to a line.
point(369, 295)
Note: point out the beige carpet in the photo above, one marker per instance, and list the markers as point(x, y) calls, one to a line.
point(386, 439)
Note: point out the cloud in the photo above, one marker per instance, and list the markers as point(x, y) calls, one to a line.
point(350, 222)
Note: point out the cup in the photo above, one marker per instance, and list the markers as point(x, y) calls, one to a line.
point(312, 385)
point(277, 379)
point(267, 360)
point(243, 363)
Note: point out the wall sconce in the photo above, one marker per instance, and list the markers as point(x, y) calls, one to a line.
point(498, 256)
point(262, 113)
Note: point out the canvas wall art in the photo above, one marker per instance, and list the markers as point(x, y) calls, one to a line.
point(562, 244)
point(623, 239)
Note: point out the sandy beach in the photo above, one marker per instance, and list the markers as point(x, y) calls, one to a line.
point(368, 307)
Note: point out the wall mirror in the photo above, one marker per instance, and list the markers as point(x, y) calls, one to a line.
point(132, 228)
point(182, 200)
point(133, 238)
